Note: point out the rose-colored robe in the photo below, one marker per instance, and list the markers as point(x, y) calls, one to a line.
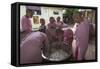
point(26, 24)
point(30, 48)
point(68, 36)
point(51, 32)
point(52, 25)
point(59, 24)
point(82, 37)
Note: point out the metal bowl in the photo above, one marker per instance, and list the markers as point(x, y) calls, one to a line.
point(59, 54)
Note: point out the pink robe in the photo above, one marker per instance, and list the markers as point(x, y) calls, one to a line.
point(68, 36)
point(26, 24)
point(30, 48)
point(59, 24)
point(51, 32)
point(82, 37)
point(52, 25)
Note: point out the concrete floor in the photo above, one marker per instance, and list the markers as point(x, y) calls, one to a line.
point(90, 54)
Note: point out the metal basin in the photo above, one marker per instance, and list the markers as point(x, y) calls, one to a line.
point(58, 54)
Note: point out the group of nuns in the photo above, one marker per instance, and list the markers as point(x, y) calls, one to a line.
point(33, 42)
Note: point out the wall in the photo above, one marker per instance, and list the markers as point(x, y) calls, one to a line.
point(46, 13)
point(22, 13)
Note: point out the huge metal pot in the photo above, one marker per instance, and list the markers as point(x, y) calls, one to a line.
point(57, 54)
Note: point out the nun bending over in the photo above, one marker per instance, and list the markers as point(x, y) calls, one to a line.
point(31, 46)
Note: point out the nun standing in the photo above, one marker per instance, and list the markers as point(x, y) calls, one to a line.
point(81, 37)
point(59, 23)
point(26, 23)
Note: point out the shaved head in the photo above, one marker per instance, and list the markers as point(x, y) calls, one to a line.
point(78, 17)
point(29, 13)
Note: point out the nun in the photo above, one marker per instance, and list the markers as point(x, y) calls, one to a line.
point(26, 22)
point(26, 25)
point(81, 37)
point(42, 28)
point(59, 23)
point(31, 47)
point(51, 30)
